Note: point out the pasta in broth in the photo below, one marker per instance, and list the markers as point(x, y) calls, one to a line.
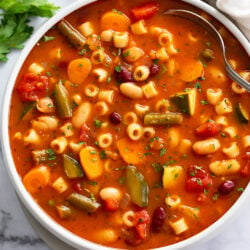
point(125, 128)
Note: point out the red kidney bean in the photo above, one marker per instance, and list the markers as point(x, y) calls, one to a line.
point(123, 75)
point(227, 186)
point(158, 219)
point(115, 118)
point(154, 69)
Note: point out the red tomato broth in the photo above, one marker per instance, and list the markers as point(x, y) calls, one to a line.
point(87, 225)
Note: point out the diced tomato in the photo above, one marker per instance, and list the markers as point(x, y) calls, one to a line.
point(32, 87)
point(198, 179)
point(142, 220)
point(145, 10)
point(84, 134)
point(208, 129)
point(111, 205)
point(245, 171)
point(78, 187)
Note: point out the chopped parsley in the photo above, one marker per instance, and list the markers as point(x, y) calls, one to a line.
point(118, 68)
point(163, 151)
point(47, 38)
point(97, 123)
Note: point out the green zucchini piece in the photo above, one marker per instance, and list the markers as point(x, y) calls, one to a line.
point(163, 119)
point(241, 113)
point(72, 167)
point(62, 101)
point(137, 186)
point(83, 202)
point(185, 101)
point(27, 109)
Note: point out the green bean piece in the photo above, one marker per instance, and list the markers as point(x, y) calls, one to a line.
point(83, 202)
point(137, 186)
point(72, 167)
point(27, 109)
point(73, 35)
point(62, 101)
point(63, 211)
point(163, 119)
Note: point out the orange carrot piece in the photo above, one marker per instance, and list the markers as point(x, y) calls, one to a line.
point(130, 151)
point(115, 20)
point(37, 178)
point(91, 162)
point(79, 69)
point(191, 70)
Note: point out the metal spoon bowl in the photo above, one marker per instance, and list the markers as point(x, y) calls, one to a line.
point(208, 26)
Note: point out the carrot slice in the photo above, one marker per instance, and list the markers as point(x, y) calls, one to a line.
point(79, 69)
point(191, 70)
point(36, 179)
point(91, 162)
point(130, 151)
point(115, 20)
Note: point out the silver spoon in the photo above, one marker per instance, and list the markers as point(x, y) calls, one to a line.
point(208, 26)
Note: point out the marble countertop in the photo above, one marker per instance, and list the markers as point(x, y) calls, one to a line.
point(17, 233)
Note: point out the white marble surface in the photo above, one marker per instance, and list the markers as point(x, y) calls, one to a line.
point(17, 233)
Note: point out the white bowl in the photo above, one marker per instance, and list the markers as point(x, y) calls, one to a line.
point(26, 198)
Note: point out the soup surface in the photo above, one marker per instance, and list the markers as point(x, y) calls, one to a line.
point(125, 128)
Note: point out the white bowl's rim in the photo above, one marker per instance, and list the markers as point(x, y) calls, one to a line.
point(26, 198)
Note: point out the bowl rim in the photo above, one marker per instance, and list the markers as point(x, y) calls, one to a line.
point(42, 217)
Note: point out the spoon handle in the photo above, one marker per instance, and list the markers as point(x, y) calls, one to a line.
point(236, 77)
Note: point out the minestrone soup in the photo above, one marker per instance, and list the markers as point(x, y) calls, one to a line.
point(125, 127)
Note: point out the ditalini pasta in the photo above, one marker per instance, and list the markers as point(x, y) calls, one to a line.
point(125, 128)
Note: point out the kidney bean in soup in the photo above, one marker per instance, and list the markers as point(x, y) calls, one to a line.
point(125, 128)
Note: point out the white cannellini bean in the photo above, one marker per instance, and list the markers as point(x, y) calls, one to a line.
point(207, 146)
point(131, 91)
point(224, 167)
point(110, 193)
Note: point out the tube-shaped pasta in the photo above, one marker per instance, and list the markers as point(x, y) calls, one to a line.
point(140, 109)
point(91, 90)
point(76, 146)
point(192, 37)
point(97, 56)
point(141, 73)
point(192, 212)
point(148, 132)
point(160, 54)
point(223, 107)
point(120, 39)
point(214, 95)
point(224, 167)
point(86, 29)
point(67, 129)
point(31, 137)
point(45, 123)
point(45, 105)
point(134, 131)
point(246, 141)
point(101, 74)
point(59, 144)
point(139, 28)
point(155, 31)
point(105, 140)
point(101, 108)
point(207, 146)
point(173, 201)
point(130, 117)
point(171, 65)
point(106, 95)
point(179, 226)
point(165, 38)
point(238, 89)
point(129, 218)
point(162, 105)
point(222, 120)
point(133, 54)
point(107, 35)
point(149, 90)
point(231, 131)
point(232, 151)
